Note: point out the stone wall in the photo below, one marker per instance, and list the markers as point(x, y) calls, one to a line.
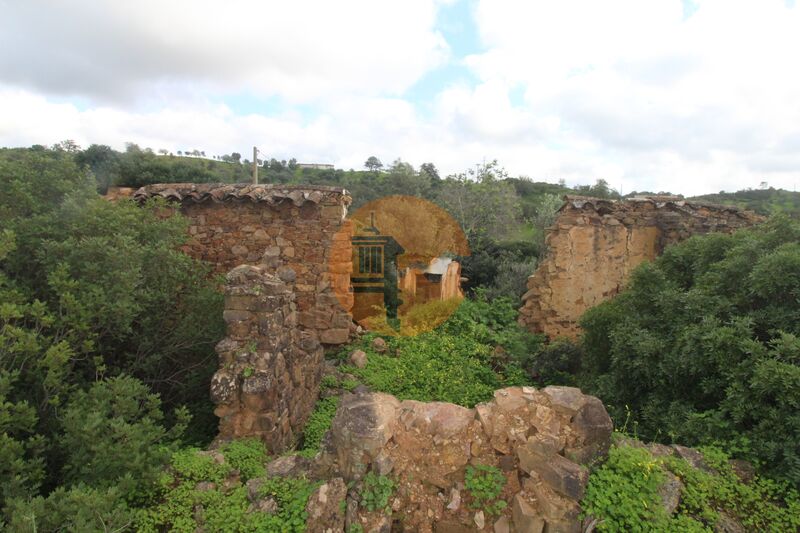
point(541, 441)
point(270, 366)
point(300, 227)
point(595, 244)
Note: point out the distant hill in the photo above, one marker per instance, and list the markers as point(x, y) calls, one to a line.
point(763, 201)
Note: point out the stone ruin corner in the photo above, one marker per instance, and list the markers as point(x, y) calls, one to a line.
point(595, 243)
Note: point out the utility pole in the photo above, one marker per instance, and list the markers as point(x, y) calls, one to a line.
point(255, 165)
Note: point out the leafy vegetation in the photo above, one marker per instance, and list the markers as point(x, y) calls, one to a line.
point(318, 424)
point(106, 342)
point(484, 484)
point(703, 346)
point(623, 495)
point(376, 492)
point(768, 201)
point(248, 456)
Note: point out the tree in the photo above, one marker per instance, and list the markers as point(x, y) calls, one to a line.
point(429, 170)
point(103, 161)
point(373, 163)
point(483, 204)
point(704, 346)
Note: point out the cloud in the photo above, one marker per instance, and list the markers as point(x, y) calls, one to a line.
point(642, 94)
point(649, 94)
point(299, 50)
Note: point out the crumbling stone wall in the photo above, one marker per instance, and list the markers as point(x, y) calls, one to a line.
point(595, 244)
point(300, 227)
point(540, 439)
point(270, 366)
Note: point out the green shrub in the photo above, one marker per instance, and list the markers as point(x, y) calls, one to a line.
point(189, 465)
point(702, 346)
point(292, 496)
point(623, 495)
point(248, 456)
point(114, 437)
point(376, 492)
point(76, 509)
point(484, 484)
point(318, 424)
point(433, 367)
point(181, 504)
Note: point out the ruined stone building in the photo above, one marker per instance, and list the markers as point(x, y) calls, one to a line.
point(286, 253)
point(595, 243)
point(298, 227)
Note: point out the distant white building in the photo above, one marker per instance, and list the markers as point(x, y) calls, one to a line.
point(316, 166)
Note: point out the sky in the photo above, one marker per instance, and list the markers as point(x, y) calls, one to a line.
point(687, 96)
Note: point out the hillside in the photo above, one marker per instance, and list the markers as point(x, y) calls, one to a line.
point(763, 201)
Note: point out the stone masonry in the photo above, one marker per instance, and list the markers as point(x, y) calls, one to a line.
point(269, 366)
point(277, 226)
point(542, 440)
point(595, 244)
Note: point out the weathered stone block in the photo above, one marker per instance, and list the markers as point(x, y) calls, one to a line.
point(561, 474)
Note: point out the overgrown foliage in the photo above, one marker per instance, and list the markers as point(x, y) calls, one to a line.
point(479, 349)
point(106, 332)
point(318, 424)
point(484, 484)
point(623, 495)
point(376, 492)
point(703, 346)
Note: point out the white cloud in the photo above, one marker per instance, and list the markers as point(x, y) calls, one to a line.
point(649, 98)
point(300, 50)
point(629, 91)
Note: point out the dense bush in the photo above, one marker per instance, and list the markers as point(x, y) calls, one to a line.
point(91, 291)
point(623, 495)
point(702, 346)
point(479, 349)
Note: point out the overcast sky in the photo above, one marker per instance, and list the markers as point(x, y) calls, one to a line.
point(680, 95)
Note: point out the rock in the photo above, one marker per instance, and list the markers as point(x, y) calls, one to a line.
point(552, 505)
point(455, 499)
point(479, 519)
point(361, 389)
point(563, 526)
point(525, 518)
point(379, 345)
point(383, 525)
point(334, 336)
point(358, 358)
point(743, 470)
point(593, 424)
point(561, 474)
point(727, 524)
point(452, 526)
point(691, 456)
point(670, 492)
point(289, 466)
point(660, 450)
point(326, 512)
point(565, 399)
point(263, 505)
point(287, 274)
point(351, 513)
point(362, 426)
point(205, 486)
point(501, 526)
point(590, 523)
point(383, 464)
